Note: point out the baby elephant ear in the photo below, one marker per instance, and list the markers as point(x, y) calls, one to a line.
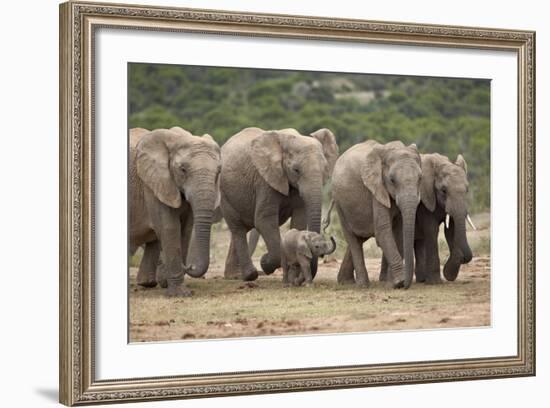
point(152, 162)
point(462, 163)
point(303, 244)
point(267, 157)
point(427, 184)
point(371, 174)
point(330, 147)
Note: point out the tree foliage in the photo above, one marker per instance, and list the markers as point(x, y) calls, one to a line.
point(445, 115)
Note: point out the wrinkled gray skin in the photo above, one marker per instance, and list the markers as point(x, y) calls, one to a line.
point(173, 189)
point(267, 177)
point(375, 187)
point(444, 189)
point(297, 250)
point(193, 253)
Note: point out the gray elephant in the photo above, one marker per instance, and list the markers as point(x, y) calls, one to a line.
point(375, 187)
point(267, 177)
point(297, 250)
point(443, 190)
point(173, 189)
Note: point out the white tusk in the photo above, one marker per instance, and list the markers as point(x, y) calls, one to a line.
point(471, 222)
point(447, 218)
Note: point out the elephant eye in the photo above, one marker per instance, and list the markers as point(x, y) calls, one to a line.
point(183, 169)
point(392, 179)
point(444, 190)
point(296, 170)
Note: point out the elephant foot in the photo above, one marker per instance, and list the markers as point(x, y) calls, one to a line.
point(399, 284)
point(268, 265)
point(398, 278)
point(233, 275)
point(163, 283)
point(435, 280)
point(346, 281)
point(147, 283)
point(308, 284)
point(250, 275)
point(363, 283)
point(179, 291)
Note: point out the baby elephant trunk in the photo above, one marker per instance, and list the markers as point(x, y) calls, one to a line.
point(333, 246)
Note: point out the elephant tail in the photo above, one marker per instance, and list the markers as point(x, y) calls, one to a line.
point(326, 220)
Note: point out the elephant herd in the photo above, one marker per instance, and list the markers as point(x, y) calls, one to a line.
point(180, 184)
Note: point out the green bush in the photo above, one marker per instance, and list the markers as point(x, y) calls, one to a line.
point(446, 115)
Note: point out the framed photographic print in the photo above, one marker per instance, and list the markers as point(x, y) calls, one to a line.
point(255, 203)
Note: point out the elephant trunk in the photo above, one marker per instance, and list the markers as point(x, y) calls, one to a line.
point(333, 245)
point(203, 216)
point(460, 250)
point(313, 201)
point(408, 212)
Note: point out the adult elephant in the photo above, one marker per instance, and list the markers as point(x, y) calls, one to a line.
point(444, 188)
point(173, 189)
point(376, 187)
point(330, 149)
point(267, 177)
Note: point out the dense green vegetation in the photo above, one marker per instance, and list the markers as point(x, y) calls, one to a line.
point(445, 115)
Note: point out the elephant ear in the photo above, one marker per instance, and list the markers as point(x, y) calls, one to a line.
point(462, 163)
point(427, 184)
point(267, 157)
point(153, 160)
point(303, 245)
point(330, 147)
point(371, 174)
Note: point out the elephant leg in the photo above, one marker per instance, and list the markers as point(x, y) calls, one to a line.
point(171, 255)
point(383, 270)
point(305, 268)
point(146, 276)
point(431, 252)
point(285, 267)
point(247, 268)
point(358, 258)
point(420, 256)
point(297, 277)
point(268, 226)
point(345, 273)
point(386, 241)
point(232, 269)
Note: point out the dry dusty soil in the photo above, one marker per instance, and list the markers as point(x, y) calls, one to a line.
point(223, 308)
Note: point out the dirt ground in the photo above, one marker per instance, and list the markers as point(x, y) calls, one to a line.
point(223, 308)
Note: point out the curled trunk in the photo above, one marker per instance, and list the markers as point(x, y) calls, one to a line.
point(333, 245)
point(459, 248)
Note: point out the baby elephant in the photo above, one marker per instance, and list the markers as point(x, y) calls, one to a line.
point(297, 250)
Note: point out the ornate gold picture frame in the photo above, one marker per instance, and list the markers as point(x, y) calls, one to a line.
point(78, 24)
